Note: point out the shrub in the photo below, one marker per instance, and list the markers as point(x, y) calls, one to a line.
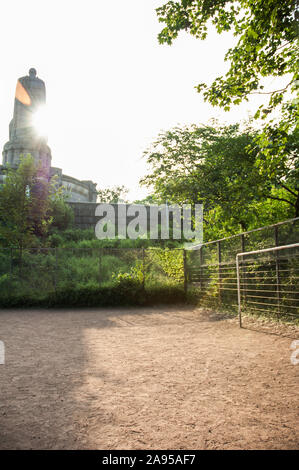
point(170, 261)
point(134, 276)
point(124, 294)
point(62, 213)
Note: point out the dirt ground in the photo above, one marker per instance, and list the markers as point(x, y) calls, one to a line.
point(162, 378)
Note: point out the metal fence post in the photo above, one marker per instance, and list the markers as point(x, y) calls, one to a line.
point(143, 268)
point(55, 271)
point(11, 268)
point(239, 291)
point(277, 268)
point(201, 263)
point(243, 243)
point(219, 271)
point(100, 265)
point(185, 272)
point(244, 272)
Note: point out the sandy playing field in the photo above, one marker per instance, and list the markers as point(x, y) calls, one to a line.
point(162, 378)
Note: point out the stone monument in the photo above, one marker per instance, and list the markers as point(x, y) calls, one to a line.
point(30, 96)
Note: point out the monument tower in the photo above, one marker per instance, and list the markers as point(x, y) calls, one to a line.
point(24, 139)
point(30, 96)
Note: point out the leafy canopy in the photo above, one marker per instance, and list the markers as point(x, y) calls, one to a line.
point(113, 195)
point(220, 167)
point(267, 32)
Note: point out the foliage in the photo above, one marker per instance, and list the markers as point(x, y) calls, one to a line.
point(69, 277)
point(32, 208)
point(278, 161)
point(62, 214)
point(85, 238)
point(133, 276)
point(267, 32)
point(267, 46)
point(113, 195)
point(98, 297)
point(149, 200)
point(25, 200)
point(74, 236)
point(221, 167)
point(170, 261)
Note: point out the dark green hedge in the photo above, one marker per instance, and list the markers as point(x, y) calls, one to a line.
point(121, 295)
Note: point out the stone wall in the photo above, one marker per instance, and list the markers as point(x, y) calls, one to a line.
point(85, 214)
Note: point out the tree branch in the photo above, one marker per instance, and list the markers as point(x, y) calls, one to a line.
point(271, 92)
point(281, 199)
point(282, 45)
point(287, 189)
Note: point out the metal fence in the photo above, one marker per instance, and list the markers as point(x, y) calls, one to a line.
point(208, 271)
point(268, 280)
point(212, 271)
point(40, 271)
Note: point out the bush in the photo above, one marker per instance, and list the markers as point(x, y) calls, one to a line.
point(134, 276)
point(124, 294)
point(55, 240)
point(62, 213)
point(169, 262)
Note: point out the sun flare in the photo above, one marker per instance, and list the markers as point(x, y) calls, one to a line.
point(41, 121)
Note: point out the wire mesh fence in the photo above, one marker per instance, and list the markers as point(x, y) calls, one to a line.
point(38, 272)
point(269, 283)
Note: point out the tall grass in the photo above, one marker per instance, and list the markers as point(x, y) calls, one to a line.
point(102, 275)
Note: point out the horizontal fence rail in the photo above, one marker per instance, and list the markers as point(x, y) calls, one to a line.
point(280, 231)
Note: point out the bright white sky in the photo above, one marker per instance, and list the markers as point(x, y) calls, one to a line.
point(110, 86)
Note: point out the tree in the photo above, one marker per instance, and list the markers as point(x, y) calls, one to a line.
point(113, 195)
point(62, 214)
point(149, 200)
point(278, 164)
point(216, 166)
point(267, 32)
point(25, 205)
point(267, 45)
